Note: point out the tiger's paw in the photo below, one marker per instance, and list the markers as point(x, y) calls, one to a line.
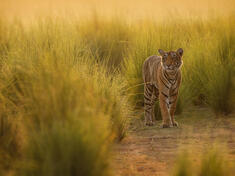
point(149, 123)
point(175, 124)
point(165, 125)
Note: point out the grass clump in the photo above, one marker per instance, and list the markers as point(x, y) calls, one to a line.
point(211, 162)
point(67, 149)
point(69, 108)
point(106, 40)
point(183, 166)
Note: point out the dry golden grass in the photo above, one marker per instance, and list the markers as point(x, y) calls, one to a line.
point(70, 68)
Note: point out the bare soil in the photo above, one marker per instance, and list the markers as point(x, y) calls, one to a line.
point(152, 151)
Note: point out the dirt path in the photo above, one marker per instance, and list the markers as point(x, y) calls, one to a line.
point(151, 151)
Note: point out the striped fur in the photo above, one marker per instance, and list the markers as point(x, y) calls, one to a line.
point(162, 78)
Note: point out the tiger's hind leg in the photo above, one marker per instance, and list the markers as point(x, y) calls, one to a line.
point(148, 104)
point(154, 99)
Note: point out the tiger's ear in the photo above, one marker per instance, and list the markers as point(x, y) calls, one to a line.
point(161, 52)
point(180, 51)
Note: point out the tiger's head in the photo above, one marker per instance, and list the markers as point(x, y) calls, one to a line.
point(172, 60)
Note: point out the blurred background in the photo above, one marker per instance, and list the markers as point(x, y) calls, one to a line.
point(129, 9)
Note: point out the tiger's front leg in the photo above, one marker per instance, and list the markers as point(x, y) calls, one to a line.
point(173, 101)
point(164, 106)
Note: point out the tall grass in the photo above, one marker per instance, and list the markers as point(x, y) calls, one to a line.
point(106, 40)
point(69, 108)
point(151, 37)
point(70, 127)
point(183, 166)
point(208, 59)
point(212, 162)
point(65, 85)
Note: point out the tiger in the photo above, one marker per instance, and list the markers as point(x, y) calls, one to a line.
point(162, 79)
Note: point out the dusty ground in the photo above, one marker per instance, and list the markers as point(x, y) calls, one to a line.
point(151, 151)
